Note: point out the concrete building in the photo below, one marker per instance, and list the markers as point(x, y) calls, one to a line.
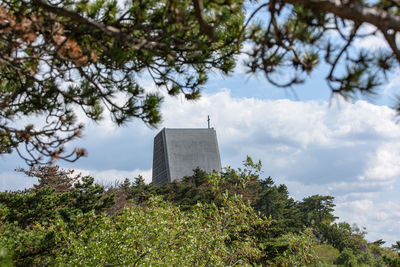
point(178, 151)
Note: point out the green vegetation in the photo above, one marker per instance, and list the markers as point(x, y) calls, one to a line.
point(60, 56)
point(235, 218)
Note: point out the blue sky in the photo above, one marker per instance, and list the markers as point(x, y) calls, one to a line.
point(313, 144)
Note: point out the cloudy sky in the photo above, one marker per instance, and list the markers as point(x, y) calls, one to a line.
point(308, 141)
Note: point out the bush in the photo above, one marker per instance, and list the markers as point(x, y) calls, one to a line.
point(5, 258)
point(347, 259)
point(326, 253)
point(161, 234)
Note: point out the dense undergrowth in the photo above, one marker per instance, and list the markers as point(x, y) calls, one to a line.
point(227, 219)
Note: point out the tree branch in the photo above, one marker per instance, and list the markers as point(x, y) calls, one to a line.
point(353, 10)
point(391, 39)
point(204, 26)
point(109, 30)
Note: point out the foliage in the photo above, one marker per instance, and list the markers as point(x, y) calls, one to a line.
point(220, 219)
point(5, 258)
point(295, 36)
point(58, 194)
point(383, 256)
point(161, 234)
point(60, 56)
point(391, 261)
point(220, 233)
point(396, 247)
point(366, 259)
point(27, 216)
point(299, 252)
point(264, 196)
point(342, 235)
point(35, 245)
point(274, 201)
point(347, 258)
point(317, 210)
point(326, 254)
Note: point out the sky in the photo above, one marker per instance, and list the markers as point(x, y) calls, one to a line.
point(312, 143)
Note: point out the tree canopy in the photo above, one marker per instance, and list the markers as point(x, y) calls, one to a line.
point(63, 58)
point(235, 217)
point(60, 56)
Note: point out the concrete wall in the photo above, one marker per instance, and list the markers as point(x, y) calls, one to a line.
point(178, 151)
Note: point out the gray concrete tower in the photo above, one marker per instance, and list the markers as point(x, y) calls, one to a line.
point(178, 151)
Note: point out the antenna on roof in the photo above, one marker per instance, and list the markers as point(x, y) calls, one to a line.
point(208, 121)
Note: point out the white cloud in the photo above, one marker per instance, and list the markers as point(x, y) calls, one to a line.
point(382, 220)
point(393, 85)
point(243, 57)
point(11, 180)
point(384, 164)
point(372, 42)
